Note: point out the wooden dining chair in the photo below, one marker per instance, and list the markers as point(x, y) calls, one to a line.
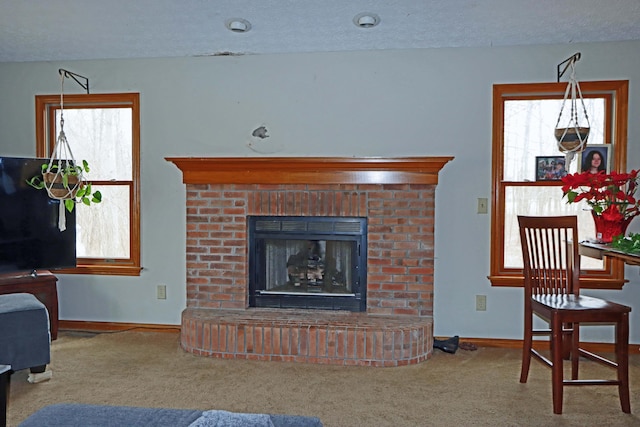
point(552, 293)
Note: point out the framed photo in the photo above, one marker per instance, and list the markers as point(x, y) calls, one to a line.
point(550, 168)
point(595, 158)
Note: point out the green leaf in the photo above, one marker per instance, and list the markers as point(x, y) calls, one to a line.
point(36, 183)
point(630, 244)
point(97, 197)
point(86, 201)
point(69, 204)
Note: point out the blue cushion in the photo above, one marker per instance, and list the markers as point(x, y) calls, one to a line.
point(81, 415)
point(70, 415)
point(24, 332)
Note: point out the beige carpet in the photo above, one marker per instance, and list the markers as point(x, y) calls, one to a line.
point(465, 389)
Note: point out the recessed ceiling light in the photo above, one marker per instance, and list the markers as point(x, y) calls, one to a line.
point(238, 25)
point(366, 20)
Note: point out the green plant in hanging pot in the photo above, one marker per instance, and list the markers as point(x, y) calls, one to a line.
point(64, 181)
point(62, 177)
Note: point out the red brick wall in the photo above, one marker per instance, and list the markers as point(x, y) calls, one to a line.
point(400, 239)
point(310, 336)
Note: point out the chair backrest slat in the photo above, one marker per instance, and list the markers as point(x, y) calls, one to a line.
point(550, 254)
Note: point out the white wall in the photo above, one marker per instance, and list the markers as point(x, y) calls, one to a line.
point(386, 103)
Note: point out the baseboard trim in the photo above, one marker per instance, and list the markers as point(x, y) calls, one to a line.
point(77, 325)
point(542, 345)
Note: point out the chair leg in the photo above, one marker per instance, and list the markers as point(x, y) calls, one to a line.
point(567, 343)
point(575, 352)
point(526, 347)
point(4, 393)
point(38, 369)
point(557, 357)
point(622, 358)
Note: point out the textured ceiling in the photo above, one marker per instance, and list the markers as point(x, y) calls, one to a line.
point(45, 30)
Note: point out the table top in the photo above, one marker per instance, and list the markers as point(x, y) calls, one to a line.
point(598, 250)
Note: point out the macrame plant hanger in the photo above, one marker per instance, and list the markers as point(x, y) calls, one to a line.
point(572, 130)
point(59, 184)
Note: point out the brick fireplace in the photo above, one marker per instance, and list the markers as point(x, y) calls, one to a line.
point(396, 195)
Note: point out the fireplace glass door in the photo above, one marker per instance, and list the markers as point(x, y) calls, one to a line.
point(307, 262)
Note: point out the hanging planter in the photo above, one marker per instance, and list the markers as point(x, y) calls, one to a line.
point(62, 177)
point(61, 186)
point(572, 129)
point(571, 139)
point(63, 181)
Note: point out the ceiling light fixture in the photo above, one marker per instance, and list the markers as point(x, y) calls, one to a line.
point(238, 25)
point(366, 20)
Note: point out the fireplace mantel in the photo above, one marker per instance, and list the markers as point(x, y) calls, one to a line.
point(310, 170)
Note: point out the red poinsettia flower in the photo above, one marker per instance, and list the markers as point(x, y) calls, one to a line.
point(612, 214)
point(609, 195)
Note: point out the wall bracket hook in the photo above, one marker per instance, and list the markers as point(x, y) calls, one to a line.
point(76, 77)
point(567, 63)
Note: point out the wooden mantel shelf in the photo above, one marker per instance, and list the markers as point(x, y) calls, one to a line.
point(309, 170)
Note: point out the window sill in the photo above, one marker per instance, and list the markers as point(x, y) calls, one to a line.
point(105, 270)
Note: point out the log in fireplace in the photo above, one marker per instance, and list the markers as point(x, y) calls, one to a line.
point(308, 262)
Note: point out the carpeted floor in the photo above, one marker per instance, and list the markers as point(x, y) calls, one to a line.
point(469, 388)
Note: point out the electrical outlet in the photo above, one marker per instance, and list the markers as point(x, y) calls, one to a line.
point(483, 205)
point(162, 292)
point(481, 303)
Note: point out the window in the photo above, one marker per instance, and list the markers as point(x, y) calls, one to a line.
point(103, 129)
point(524, 118)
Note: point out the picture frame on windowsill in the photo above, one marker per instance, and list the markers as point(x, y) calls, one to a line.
point(550, 168)
point(595, 158)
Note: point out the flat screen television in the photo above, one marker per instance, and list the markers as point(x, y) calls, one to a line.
point(29, 236)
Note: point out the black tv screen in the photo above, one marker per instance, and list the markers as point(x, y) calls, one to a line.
point(29, 234)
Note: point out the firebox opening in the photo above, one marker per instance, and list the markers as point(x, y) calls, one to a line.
point(308, 262)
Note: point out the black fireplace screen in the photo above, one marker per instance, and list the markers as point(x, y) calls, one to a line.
point(307, 262)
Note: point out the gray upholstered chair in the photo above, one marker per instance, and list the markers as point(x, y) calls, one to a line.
point(25, 340)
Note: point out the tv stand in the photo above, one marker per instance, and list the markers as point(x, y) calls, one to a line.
point(42, 284)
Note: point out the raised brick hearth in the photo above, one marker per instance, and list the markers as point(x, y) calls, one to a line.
point(396, 195)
